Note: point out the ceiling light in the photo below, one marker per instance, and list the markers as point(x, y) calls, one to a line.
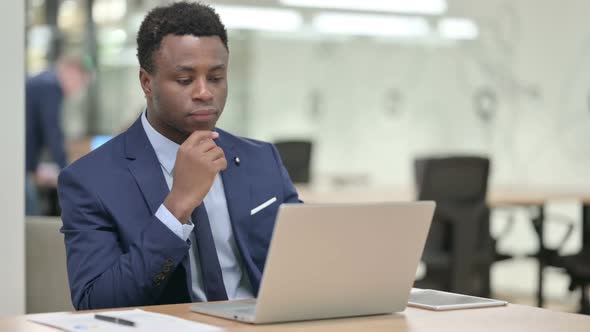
point(371, 25)
point(457, 29)
point(427, 7)
point(259, 18)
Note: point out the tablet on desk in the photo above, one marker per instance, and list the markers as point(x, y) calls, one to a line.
point(439, 300)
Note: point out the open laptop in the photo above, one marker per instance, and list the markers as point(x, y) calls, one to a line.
point(335, 260)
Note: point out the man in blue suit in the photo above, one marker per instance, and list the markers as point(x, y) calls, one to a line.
point(173, 210)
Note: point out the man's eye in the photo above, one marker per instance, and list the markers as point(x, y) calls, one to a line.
point(184, 82)
point(215, 78)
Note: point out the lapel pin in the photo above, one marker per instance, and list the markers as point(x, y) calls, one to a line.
point(237, 161)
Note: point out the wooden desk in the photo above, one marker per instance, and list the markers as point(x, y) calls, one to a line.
point(497, 196)
point(523, 196)
point(509, 318)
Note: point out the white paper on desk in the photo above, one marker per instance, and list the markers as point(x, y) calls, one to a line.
point(144, 321)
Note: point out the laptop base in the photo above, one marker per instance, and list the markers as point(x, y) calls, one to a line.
point(243, 311)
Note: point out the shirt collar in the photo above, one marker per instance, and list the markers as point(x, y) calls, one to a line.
point(165, 149)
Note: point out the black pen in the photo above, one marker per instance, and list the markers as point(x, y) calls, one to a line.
point(115, 320)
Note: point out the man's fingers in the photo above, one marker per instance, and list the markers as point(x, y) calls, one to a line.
point(200, 135)
point(206, 145)
point(217, 158)
point(220, 163)
point(215, 153)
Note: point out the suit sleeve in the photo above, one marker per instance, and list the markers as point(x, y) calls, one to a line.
point(290, 193)
point(101, 274)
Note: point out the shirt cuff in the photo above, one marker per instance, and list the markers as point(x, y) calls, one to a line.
point(181, 230)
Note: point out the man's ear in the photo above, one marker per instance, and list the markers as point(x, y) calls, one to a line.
point(145, 79)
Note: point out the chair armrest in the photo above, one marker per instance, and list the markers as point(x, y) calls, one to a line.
point(565, 221)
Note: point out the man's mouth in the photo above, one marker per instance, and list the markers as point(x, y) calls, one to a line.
point(203, 115)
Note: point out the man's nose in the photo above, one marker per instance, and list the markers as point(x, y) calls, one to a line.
point(202, 90)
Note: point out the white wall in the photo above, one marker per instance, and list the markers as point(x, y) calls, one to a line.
point(533, 55)
point(12, 274)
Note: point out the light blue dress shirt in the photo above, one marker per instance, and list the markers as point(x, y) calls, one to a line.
point(235, 279)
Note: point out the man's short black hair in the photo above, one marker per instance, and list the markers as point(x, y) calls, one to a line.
point(180, 18)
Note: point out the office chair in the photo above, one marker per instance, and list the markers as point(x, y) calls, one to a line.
point(578, 268)
point(47, 279)
point(296, 156)
point(459, 250)
point(550, 255)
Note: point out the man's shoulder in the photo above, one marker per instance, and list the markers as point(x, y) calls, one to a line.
point(242, 142)
point(104, 158)
point(44, 80)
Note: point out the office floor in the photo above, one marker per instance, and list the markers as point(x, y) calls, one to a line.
point(515, 281)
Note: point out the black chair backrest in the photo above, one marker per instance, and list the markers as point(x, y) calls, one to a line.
point(452, 179)
point(461, 221)
point(296, 156)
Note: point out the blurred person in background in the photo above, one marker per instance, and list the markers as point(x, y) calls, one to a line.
point(45, 93)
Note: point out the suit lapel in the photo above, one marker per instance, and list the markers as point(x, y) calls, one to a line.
point(237, 189)
point(238, 194)
point(145, 167)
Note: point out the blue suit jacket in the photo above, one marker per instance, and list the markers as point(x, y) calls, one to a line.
point(118, 251)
